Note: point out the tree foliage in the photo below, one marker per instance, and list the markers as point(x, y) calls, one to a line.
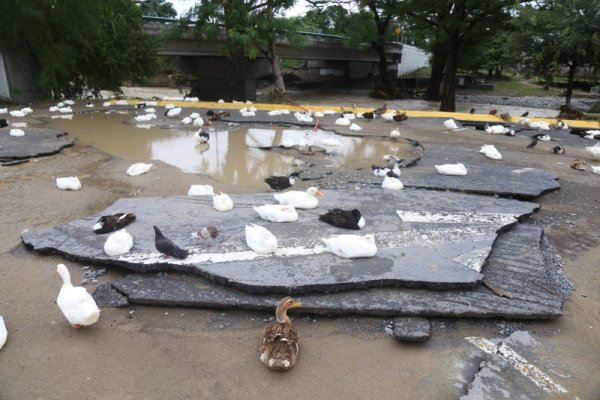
point(157, 8)
point(79, 45)
point(460, 25)
point(251, 28)
point(559, 33)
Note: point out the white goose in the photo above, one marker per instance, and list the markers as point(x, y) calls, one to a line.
point(277, 213)
point(76, 303)
point(118, 243)
point(391, 182)
point(451, 169)
point(3, 332)
point(351, 246)
point(222, 202)
point(299, 199)
point(260, 239)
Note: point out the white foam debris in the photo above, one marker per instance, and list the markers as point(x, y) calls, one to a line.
point(201, 190)
point(68, 183)
point(138, 169)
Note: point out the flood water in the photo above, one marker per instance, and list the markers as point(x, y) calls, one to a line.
point(233, 155)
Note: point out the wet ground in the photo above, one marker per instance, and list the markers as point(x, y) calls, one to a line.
point(169, 352)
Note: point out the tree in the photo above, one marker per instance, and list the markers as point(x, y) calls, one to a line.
point(461, 24)
point(251, 27)
point(372, 23)
point(78, 45)
point(157, 8)
point(561, 33)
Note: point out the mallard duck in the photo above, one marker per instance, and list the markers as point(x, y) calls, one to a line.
point(493, 111)
point(299, 199)
point(390, 182)
point(280, 343)
point(3, 332)
point(278, 182)
point(139, 169)
point(166, 246)
point(380, 110)
point(222, 202)
point(506, 117)
point(525, 114)
point(368, 115)
point(491, 152)
point(118, 243)
point(113, 222)
point(76, 303)
point(400, 116)
point(68, 183)
point(351, 246)
point(451, 169)
point(558, 149)
point(260, 239)
point(207, 232)
point(277, 213)
point(348, 219)
point(3, 123)
point(578, 164)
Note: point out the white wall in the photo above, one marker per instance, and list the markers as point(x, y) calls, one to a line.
point(413, 58)
point(4, 89)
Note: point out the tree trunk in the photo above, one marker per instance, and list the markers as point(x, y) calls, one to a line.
point(448, 90)
point(383, 85)
point(237, 87)
point(275, 65)
point(490, 73)
point(435, 78)
point(572, 69)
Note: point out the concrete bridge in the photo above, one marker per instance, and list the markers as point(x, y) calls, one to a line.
point(325, 55)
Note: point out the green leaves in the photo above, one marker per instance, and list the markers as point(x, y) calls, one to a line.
point(79, 45)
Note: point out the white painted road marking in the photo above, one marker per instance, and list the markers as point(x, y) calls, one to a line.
point(519, 363)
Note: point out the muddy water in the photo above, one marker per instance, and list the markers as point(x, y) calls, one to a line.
point(232, 155)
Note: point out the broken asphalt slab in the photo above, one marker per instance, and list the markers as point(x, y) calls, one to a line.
point(425, 239)
point(509, 366)
point(517, 264)
point(484, 176)
point(37, 142)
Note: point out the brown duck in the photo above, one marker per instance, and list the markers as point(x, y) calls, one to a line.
point(280, 343)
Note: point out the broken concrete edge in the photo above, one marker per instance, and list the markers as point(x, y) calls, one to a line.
point(512, 195)
point(258, 289)
point(411, 329)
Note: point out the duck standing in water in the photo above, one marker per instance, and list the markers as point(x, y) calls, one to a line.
point(281, 182)
point(280, 342)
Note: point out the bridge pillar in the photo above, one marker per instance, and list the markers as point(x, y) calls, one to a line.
point(215, 78)
point(18, 78)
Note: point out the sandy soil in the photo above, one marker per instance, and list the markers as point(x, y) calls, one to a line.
point(179, 353)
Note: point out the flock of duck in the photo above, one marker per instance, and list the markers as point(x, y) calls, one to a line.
point(280, 342)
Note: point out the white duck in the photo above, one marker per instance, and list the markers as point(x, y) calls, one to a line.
point(174, 112)
point(491, 151)
point(260, 239)
point(277, 213)
point(355, 127)
point(451, 169)
point(118, 243)
point(201, 190)
point(299, 199)
point(3, 332)
point(391, 182)
point(17, 132)
point(595, 169)
point(68, 183)
point(343, 121)
point(138, 169)
point(395, 133)
point(594, 151)
point(198, 122)
point(351, 246)
point(76, 303)
point(450, 124)
point(222, 202)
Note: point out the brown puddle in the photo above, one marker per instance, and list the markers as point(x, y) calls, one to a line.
point(231, 156)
